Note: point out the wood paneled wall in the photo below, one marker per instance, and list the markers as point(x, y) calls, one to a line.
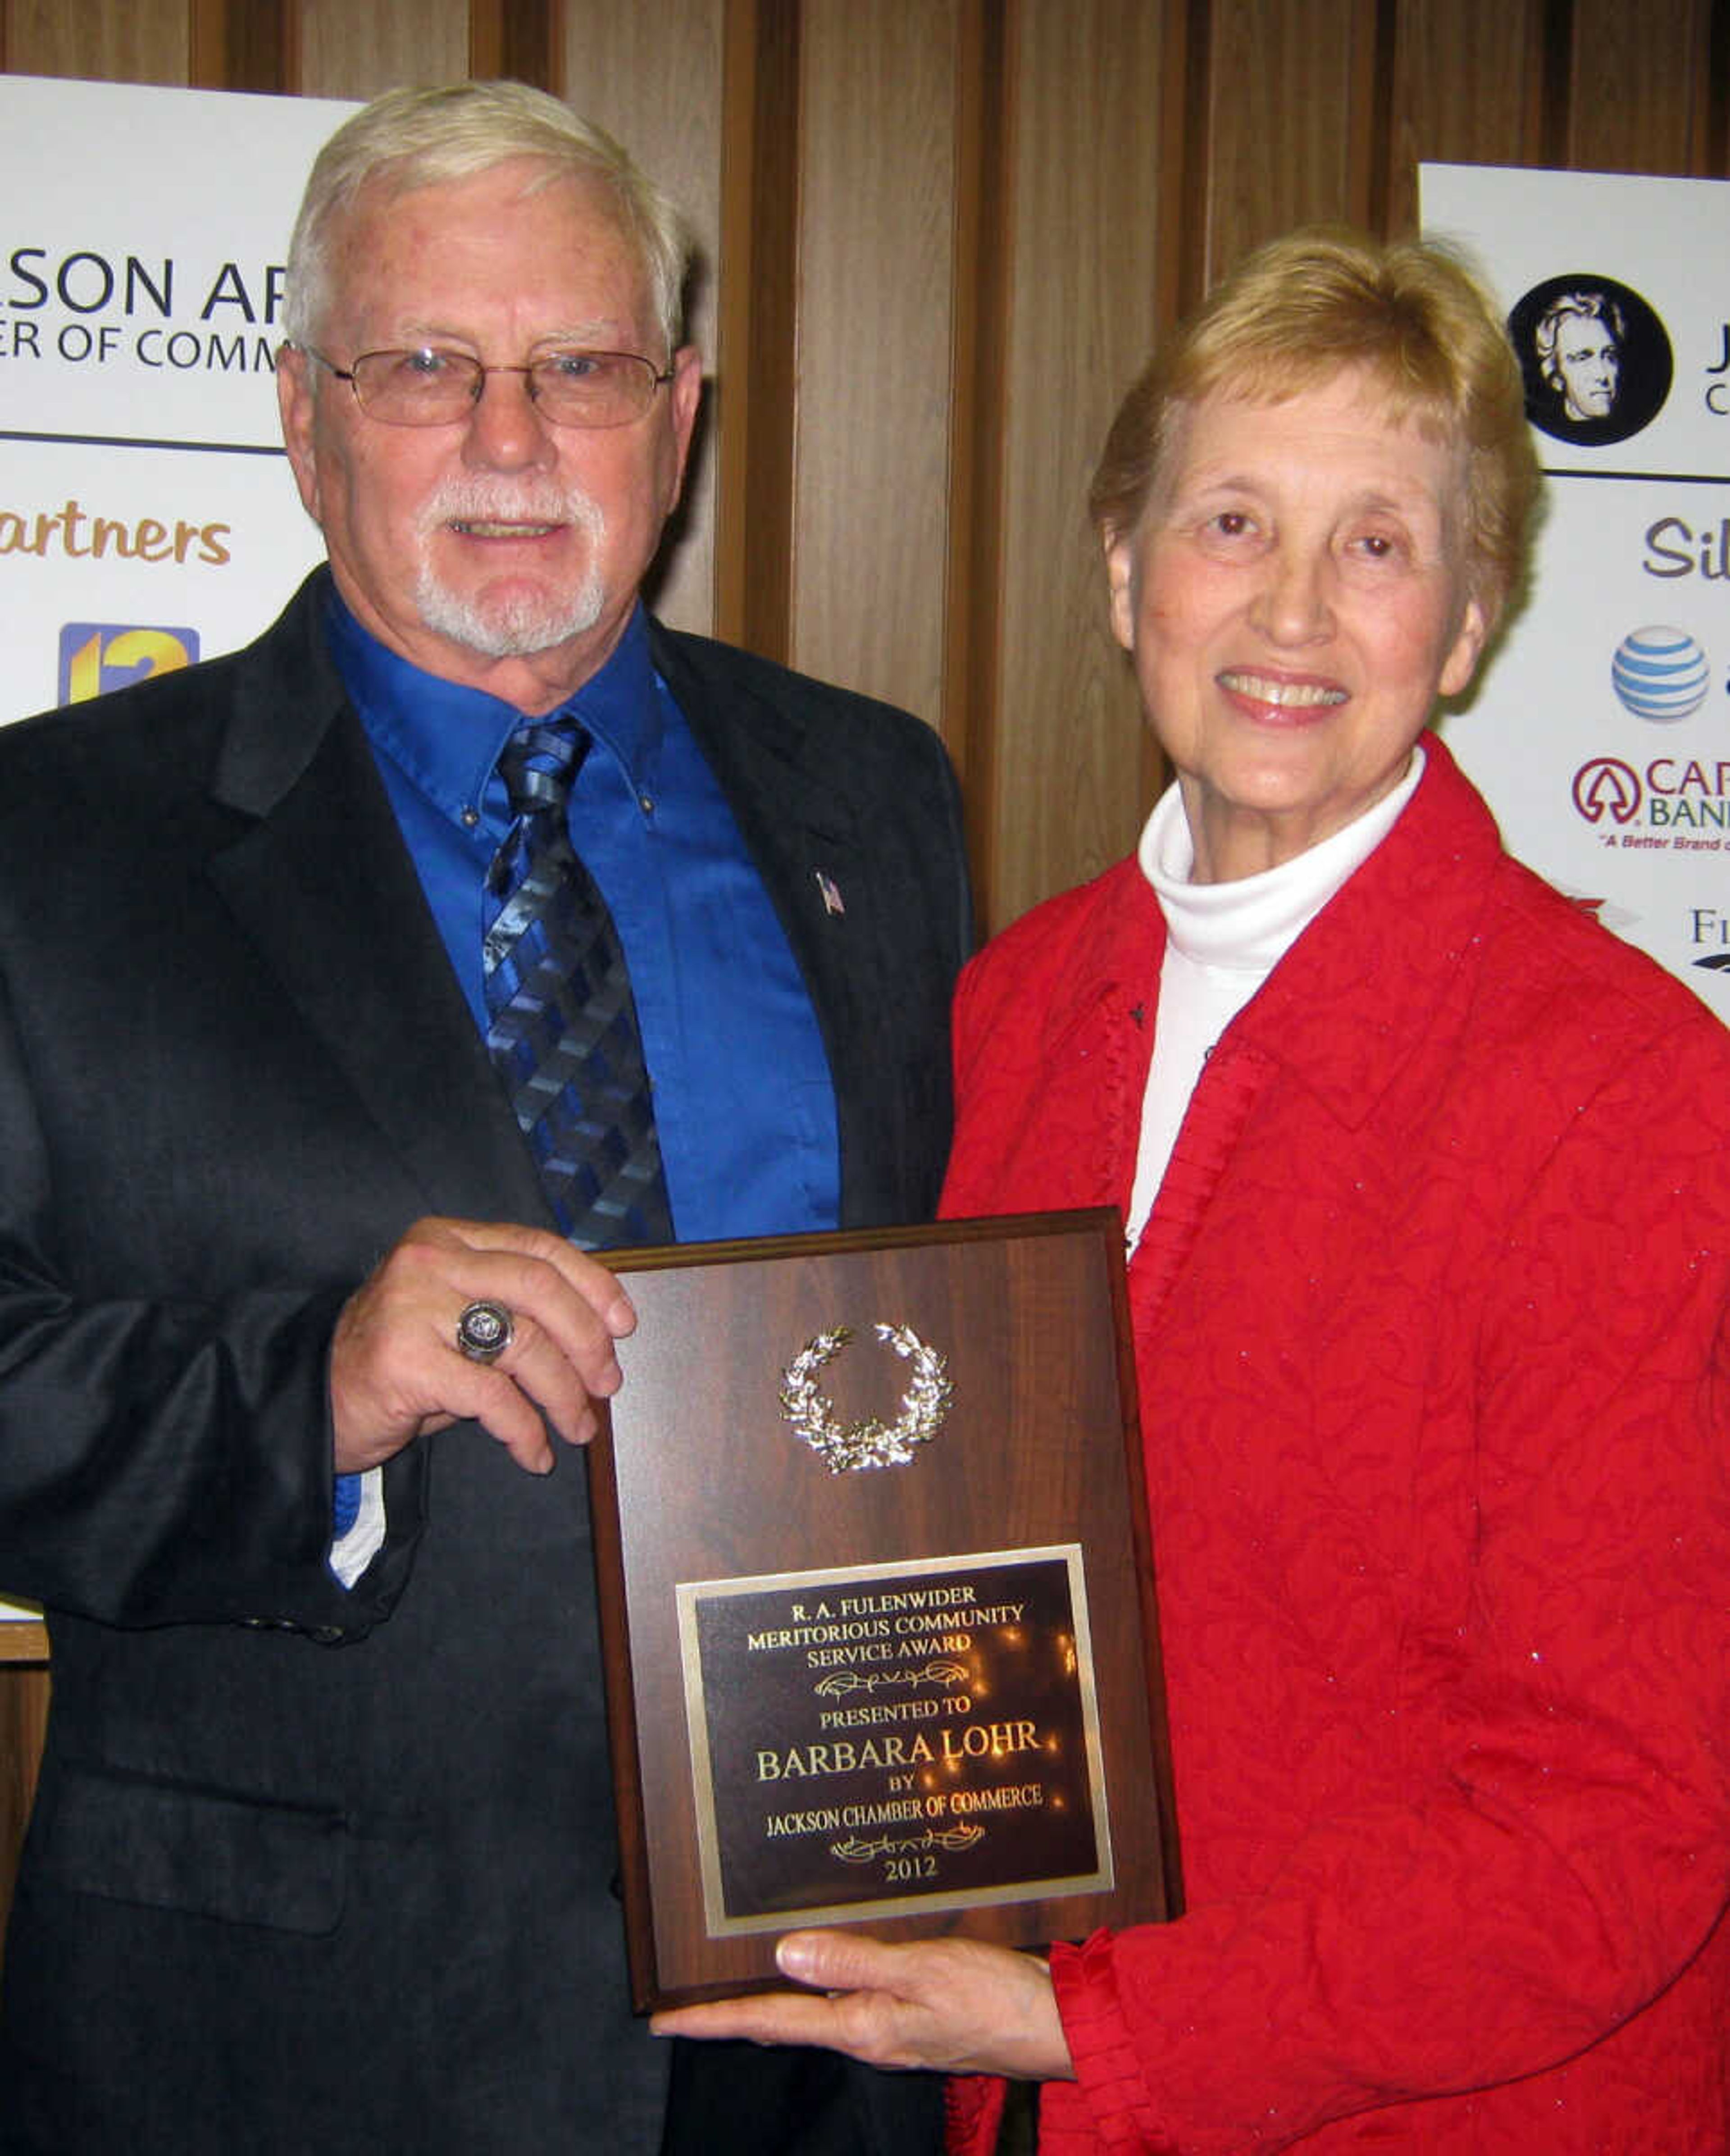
point(937, 237)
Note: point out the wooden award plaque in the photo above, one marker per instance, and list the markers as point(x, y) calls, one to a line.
point(876, 1602)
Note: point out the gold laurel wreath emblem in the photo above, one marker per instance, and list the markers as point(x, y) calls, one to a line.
point(844, 1447)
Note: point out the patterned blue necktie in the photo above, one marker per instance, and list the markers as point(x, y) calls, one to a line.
point(562, 1031)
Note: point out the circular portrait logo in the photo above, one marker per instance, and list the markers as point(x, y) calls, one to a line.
point(1596, 359)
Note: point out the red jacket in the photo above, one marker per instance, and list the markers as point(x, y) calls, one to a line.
point(1431, 1321)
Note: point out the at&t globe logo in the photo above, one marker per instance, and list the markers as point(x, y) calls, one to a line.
point(1660, 674)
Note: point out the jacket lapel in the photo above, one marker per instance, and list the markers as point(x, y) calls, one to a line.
point(1310, 1017)
point(792, 818)
point(321, 882)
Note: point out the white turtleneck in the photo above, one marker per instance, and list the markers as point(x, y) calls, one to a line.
point(1222, 941)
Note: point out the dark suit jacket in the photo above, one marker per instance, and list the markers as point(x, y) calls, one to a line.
point(314, 1872)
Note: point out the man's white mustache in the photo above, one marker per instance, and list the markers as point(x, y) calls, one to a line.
point(491, 505)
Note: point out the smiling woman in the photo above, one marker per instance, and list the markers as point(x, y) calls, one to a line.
point(1295, 597)
point(1427, 1181)
point(1313, 505)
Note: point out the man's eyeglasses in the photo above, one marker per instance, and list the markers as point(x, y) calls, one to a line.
point(432, 388)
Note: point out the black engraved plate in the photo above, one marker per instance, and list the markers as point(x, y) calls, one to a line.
point(875, 1741)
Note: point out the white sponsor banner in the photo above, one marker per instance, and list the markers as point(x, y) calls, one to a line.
point(1601, 734)
point(147, 515)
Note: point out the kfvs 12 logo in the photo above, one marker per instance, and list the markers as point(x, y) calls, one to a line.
point(97, 656)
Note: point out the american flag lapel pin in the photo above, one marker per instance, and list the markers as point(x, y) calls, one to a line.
point(831, 895)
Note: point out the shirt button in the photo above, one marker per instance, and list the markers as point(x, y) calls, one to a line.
point(471, 816)
point(645, 802)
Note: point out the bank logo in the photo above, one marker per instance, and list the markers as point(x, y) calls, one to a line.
point(1607, 787)
point(97, 656)
point(1660, 674)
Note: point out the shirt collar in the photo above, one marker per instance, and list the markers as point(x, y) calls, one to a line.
point(1248, 923)
point(446, 738)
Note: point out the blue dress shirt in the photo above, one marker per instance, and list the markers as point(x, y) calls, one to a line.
point(744, 1104)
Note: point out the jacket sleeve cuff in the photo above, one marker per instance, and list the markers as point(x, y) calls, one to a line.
point(972, 2110)
point(1106, 2062)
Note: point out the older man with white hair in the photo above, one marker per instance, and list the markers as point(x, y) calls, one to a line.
point(353, 989)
